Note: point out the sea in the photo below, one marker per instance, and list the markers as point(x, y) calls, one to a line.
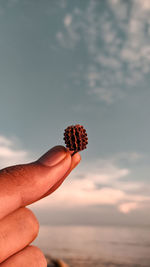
point(97, 246)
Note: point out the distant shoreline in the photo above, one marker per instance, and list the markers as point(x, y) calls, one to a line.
point(98, 225)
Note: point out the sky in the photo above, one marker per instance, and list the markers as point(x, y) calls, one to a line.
point(65, 62)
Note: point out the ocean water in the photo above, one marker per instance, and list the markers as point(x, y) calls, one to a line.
point(88, 246)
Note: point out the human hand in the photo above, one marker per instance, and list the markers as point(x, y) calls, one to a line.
point(21, 185)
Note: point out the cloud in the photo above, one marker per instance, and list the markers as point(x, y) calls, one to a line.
point(103, 94)
point(145, 4)
point(127, 207)
point(5, 141)
point(67, 20)
point(70, 37)
point(116, 43)
point(11, 154)
point(129, 157)
point(61, 39)
point(109, 62)
point(103, 183)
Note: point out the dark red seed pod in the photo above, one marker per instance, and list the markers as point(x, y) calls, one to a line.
point(75, 137)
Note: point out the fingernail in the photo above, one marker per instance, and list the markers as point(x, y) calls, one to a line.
point(53, 156)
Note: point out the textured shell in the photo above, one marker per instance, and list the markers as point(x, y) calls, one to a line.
point(75, 137)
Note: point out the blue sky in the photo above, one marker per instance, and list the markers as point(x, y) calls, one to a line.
point(88, 62)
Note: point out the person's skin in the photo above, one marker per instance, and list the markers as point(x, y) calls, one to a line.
point(21, 185)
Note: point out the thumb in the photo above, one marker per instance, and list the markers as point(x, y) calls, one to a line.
point(22, 185)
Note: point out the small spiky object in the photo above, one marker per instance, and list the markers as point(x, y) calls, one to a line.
point(75, 137)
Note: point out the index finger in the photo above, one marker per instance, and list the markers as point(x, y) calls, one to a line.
point(21, 185)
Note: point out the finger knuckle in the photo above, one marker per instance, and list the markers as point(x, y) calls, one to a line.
point(31, 221)
point(39, 258)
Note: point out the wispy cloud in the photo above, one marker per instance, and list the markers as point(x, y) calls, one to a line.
point(69, 37)
point(127, 207)
point(116, 37)
point(132, 157)
point(11, 154)
point(67, 20)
